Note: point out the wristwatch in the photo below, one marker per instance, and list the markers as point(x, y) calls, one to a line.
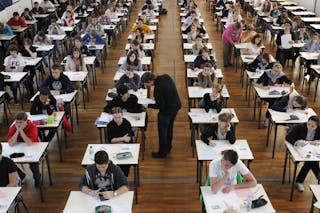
point(115, 193)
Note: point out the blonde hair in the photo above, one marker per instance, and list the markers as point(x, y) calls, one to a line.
point(277, 65)
point(225, 117)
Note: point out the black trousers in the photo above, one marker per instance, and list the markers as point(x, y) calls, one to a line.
point(307, 166)
point(165, 131)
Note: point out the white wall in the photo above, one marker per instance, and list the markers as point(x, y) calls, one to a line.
point(309, 4)
point(18, 6)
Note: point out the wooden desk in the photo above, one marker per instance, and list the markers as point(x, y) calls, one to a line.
point(112, 150)
point(80, 202)
point(36, 153)
point(213, 202)
point(283, 118)
point(297, 155)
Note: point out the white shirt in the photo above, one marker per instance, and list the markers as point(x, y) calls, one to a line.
point(216, 171)
point(14, 63)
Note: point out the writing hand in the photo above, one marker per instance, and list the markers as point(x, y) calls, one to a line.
point(227, 189)
point(107, 194)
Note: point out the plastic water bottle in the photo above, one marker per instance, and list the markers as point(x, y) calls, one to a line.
point(91, 152)
point(292, 87)
point(249, 203)
point(224, 90)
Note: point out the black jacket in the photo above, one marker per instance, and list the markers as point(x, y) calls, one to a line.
point(264, 79)
point(37, 106)
point(212, 132)
point(131, 105)
point(165, 95)
point(216, 104)
point(299, 132)
point(63, 84)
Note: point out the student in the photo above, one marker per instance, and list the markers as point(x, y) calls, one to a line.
point(68, 19)
point(230, 36)
point(44, 103)
point(224, 130)
point(199, 27)
point(103, 178)
point(111, 11)
point(126, 101)
point(275, 12)
point(301, 135)
point(254, 47)
point(312, 46)
point(41, 39)
point(75, 61)
point(260, 63)
point(192, 35)
point(95, 25)
point(284, 52)
point(5, 29)
point(93, 38)
point(188, 21)
point(46, 5)
point(37, 9)
point(27, 15)
point(55, 29)
point(78, 45)
point(136, 47)
point(28, 51)
point(16, 21)
point(282, 19)
point(70, 10)
point(168, 103)
point(203, 58)
point(57, 81)
point(145, 19)
point(289, 103)
point(223, 173)
point(149, 11)
point(198, 45)
point(139, 35)
point(213, 101)
point(204, 77)
point(8, 171)
point(120, 131)
point(274, 77)
point(24, 131)
point(144, 27)
point(131, 79)
point(132, 60)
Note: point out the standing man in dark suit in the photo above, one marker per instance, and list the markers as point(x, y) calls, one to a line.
point(168, 102)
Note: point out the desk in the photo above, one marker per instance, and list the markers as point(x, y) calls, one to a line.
point(140, 93)
point(79, 76)
point(288, 3)
point(209, 153)
point(195, 93)
point(144, 61)
point(263, 94)
point(303, 13)
point(147, 37)
point(316, 196)
point(316, 72)
point(137, 120)
point(59, 38)
point(315, 26)
point(310, 20)
point(282, 118)
point(188, 46)
point(103, 54)
point(55, 126)
point(48, 49)
point(4, 37)
point(294, 8)
point(212, 201)
point(251, 76)
point(16, 77)
point(112, 150)
point(120, 73)
point(10, 194)
point(200, 116)
point(217, 73)
point(34, 63)
point(145, 46)
point(36, 153)
point(297, 155)
point(80, 202)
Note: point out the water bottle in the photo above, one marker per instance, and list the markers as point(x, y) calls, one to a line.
point(224, 90)
point(292, 87)
point(91, 152)
point(319, 59)
point(257, 71)
point(249, 203)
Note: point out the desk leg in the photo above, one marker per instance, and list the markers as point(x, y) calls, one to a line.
point(312, 201)
point(21, 97)
point(100, 135)
point(255, 107)
point(260, 111)
point(59, 145)
point(249, 95)
point(193, 132)
point(200, 174)
point(247, 85)
point(136, 182)
point(274, 139)
point(294, 180)
point(49, 170)
point(77, 113)
point(249, 162)
point(197, 171)
point(285, 166)
point(143, 142)
point(83, 95)
point(41, 191)
point(316, 90)
point(105, 135)
point(268, 131)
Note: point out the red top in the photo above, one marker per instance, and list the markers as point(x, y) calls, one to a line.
point(20, 22)
point(30, 130)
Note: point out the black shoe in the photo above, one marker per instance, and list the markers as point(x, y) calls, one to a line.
point(157, 155)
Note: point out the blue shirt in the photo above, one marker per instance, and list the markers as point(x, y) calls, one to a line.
point(7, 30)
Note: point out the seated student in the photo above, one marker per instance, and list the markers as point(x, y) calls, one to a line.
point(301, 135)
point(131, 79)
point(68, 20)
point(44, 103)
point(198, 26)
point(103, 178)
point(93, 38)
point(70, 10)
point(275, 12)
point(289, 103)
point(139, 35)
point(46, 5)
point(192, 35)
point(203, 58)
point(24, 131)
point(149, 11)
point(234, 17)
point(16, 63)
point(120, 131)
point(111, 11)
point(103, 18)
point(198, 45)
point(55, 29)
point(16, 21)
point(132, 60)
point(188, 21)
point(144, 27)
point(204, 77)
point(29, 51)
point(126, 101)
point(37, 9)
point(78, 45)
point(75, 61)
point(224, 130)
point(41, 39)
point(223, 173)
point(27, 15)
point(248, 34)
point(254, 47)
point(5, 30)
point(282, 19)
point(145, 19)
point(57, 81)
point(8, 171)
point(213, 101)
point(260, 63)
point(136, 47)
point(312, 46)
point(95, 25)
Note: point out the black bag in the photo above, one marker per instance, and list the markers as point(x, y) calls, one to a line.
point(258, 202)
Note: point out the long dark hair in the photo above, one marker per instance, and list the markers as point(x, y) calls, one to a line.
point(136, 61)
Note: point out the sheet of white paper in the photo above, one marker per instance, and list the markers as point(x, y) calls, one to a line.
point(285, 39)
point(142, 100)
point(105, 117)
point(37, 117)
